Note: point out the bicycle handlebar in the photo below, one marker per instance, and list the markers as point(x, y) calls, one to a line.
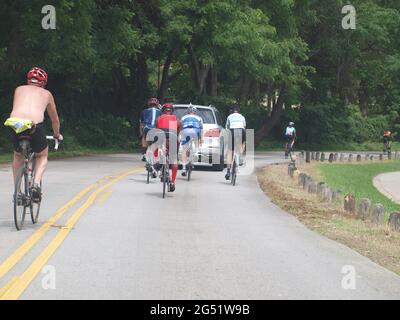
point(57, 142)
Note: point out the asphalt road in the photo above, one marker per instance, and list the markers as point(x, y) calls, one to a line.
point(120, 240)
point(388, 184)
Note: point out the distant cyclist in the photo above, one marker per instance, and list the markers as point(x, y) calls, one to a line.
point(148, 121)
point(236, 123)
point(290, 137)
point(387, 139)
point(31, 101)
point(169, 123)
point(192, 126)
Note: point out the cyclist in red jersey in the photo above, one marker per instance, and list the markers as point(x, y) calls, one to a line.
point(170, 124)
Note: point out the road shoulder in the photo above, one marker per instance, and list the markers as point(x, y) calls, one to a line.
point(380, 244)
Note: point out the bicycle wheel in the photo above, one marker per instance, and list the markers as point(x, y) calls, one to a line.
point(165, 178)
point(234, 172)
point(148, 176)
point(189, 170)
point(21, 198)
point(34, 206)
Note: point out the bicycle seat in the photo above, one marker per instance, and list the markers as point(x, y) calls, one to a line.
point(27, 135)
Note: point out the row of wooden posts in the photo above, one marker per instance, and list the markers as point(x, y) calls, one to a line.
point(365, 210)
point(335, 157)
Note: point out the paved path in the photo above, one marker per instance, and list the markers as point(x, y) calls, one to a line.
point(389, 185)
point(209, 240)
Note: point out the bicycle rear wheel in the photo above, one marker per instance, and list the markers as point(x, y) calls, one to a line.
point(165, 178)
point(34, 207)
point(148, 176)
point(21, 198)
point(234, 172)
point(189, 171)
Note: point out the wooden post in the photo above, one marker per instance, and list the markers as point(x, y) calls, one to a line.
point(350, 203)
point(308, 157)
point(394, 221)
point(378, 214)
point(364, 209)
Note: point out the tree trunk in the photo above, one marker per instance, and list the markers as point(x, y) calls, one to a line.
point(273, 119)
point(362, 98)
point(162, 92)
point(213, 82)
point(200, 72)
point(244, 88)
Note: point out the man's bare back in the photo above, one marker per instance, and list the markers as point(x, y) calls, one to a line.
point(31, 102)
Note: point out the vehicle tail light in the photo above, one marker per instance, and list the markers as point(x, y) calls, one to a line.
point(213, 133)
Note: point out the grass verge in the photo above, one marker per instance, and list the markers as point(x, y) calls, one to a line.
point(380, 244)
point(358, 180)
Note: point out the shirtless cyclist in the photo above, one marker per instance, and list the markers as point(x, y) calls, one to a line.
point(30, 103)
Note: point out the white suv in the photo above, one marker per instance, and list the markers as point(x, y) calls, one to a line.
point(212, 152)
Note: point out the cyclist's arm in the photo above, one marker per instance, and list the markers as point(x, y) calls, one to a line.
point(141, 126)
point(227, 124)
point(52, 112)
point(179, 125)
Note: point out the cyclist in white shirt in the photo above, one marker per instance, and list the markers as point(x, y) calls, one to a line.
point(290, 137)
point(236, 123)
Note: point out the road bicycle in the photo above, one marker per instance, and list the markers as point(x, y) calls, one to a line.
point(235, 167)
point(165, 168)
point(191, 160)
point(151, 171)
point(24, 183)
point(289, 149)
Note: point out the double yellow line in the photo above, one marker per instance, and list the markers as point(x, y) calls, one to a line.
point(15, 288)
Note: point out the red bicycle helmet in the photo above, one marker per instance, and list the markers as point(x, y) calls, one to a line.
point(153, 102)
point(168, 107)
point(38, 74)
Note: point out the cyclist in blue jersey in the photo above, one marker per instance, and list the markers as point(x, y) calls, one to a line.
point(148, 120)
point(192, 126)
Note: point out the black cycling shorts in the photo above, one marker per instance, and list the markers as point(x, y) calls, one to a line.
point(38, 139)
point(238, 137)
point(289, 138)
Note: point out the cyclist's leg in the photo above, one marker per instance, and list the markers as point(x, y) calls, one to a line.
point(174, 141)
point(41, 164)
point(40, 148)
point(230, 155)
point(18, 159)
point(185, 149)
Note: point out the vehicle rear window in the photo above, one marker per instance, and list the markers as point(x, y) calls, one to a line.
point(206, 114)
